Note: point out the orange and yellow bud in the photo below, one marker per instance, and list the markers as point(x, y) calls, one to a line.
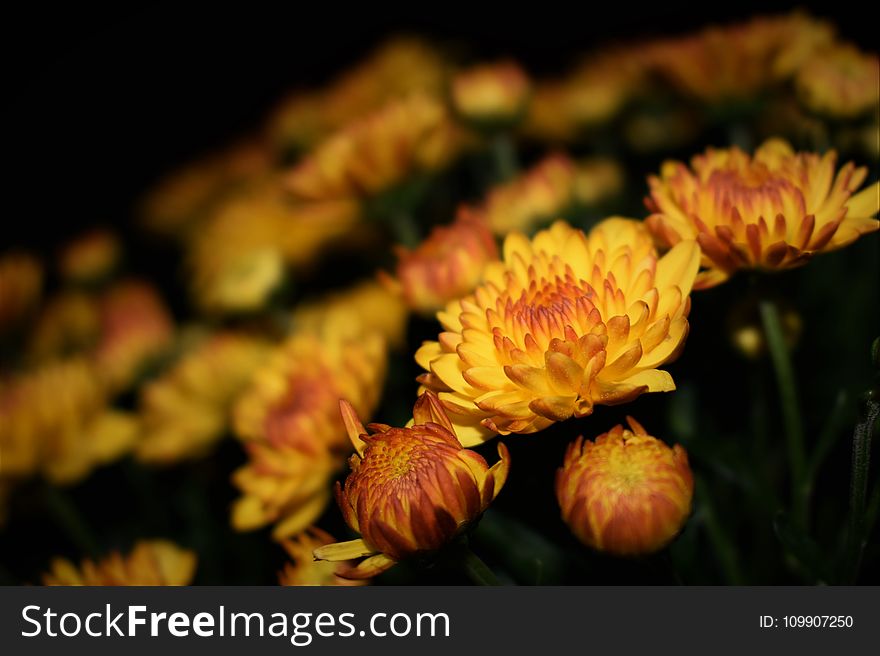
point(565, 322)
point(444, 267)
point(136, 330)
point(411, 490)
point(186, 410)
point(379, 151)
point(294, 435)
point(150, 562)
point(21, 283)
point(842, 82)
point(90, 258)
point(305, 570)
point(768, 211)
point(627, 493)
point(491, 94)
point(538, 195)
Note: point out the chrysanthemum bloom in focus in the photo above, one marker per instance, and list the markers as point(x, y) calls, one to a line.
point(56, 421)
point(627, 493)
point(305, 570)
point(491, 94)
point(186, 410)
point(90, 258)
point(136, 330)
point(150, 562)
point(565, 322)
point(537, 195)
point(411, 490)
point(294, 436)
point(352, 313)
point(379, 151)
point(842, 82)
point(21, 283)
point(769, 211)
point(444, 267)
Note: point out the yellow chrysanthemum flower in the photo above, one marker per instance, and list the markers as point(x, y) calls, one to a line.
point(447, 265)
point(56, 421)
point(842, 82)
point(90, 257)
point(186, 410)
point(537, 195)
point(354, 312)
point(136, 330)
point(627, 493)
point(294, 435)
point(491, 93)
point(377, 152)
point(150, 562)
point(411, 490)
point(772, 210)
point(21, 283)
point(68, 323)
point(566, 321)
point(305, 570)
point(399, 67)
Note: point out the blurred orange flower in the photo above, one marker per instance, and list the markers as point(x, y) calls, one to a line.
point(90, 257)
point(495, 93)
point(842, 82)
point(305, 570)
point(21, 283)
point(444, 267)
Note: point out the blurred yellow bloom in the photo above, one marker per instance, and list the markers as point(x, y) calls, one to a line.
point(240, 256)
point(294, 436)
point(185, 410)
point(593, 94)
point(56, 420)
point(378, 151)
point(738, 61)
point(842, 82)
point(491, 93)
point(176, 206)
point(21, 283)
point(537, 195)
point(411, 490)
point(627, 493)
point(566, 321)
point(68, 323)
point(305, 570)
point(354, 312)
point(90, 257)
point(400, 67)
point(596, 180)
point(772, 210)
point(746, 330)
point(136, 329)
point(444, 267)
point(150, 562)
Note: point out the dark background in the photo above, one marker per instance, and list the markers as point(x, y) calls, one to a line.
point(99, 102)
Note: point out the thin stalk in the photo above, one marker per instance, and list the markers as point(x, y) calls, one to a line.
point(858, 491)
point(476, 569)
point(504, 153)
point(791, 416)
point(65, 513)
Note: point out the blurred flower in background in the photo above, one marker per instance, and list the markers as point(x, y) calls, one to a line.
point(491, 94)
point(840, 82)
point(90, 258)
point(150, 562)
point(21, 283)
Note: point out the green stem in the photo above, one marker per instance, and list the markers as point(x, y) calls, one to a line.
point(794, 431)
point(404, 228)
point(721, 544)
point(504, 153)
point(476, 569)
point(65, 513)
point(861, 460)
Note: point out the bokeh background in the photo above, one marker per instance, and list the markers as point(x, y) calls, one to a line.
point(101, 105)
